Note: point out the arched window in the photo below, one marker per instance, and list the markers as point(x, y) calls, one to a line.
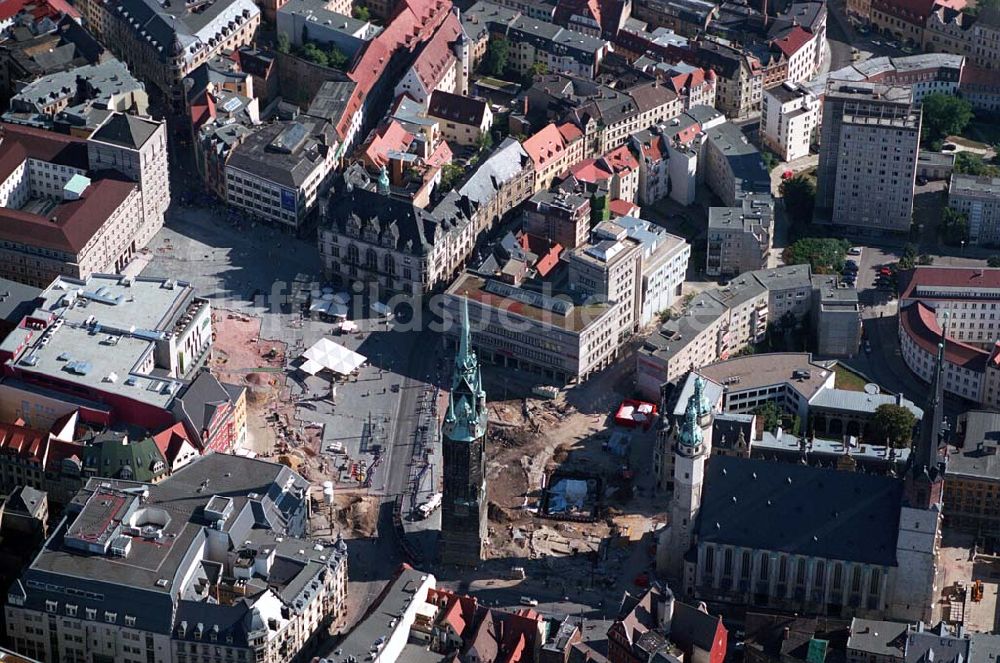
point(371, 260)
point(352, 254)
point(390, 264)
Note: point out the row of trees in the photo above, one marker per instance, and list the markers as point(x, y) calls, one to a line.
point(891, 423)
point(331, 57)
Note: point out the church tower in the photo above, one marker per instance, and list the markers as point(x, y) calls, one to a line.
point(913, 586)
point(691, 451)
point(463, 508)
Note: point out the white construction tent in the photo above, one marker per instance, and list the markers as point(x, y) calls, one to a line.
point(325, 354)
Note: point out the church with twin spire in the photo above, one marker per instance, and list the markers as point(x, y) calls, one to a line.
point(800, 538)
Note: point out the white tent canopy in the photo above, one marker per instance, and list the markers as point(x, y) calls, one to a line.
point(324, 353)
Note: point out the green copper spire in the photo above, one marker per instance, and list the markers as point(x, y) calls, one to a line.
point(704, 407)
point(383, 181)
point(690, 434)
point(466, 416)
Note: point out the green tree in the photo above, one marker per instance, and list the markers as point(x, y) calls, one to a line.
point(450, 174)
point(312, 53)
point(993, 261)
point(484, 142)
point(909, 258)
point(770, 413)
point(824, 255)
point(969, 163)
point(336, 58)
point(361, 13)
point(954, 227)
point(944, 115)
point(497, 55)
point(770, 160)
point(799, 194)
point(893, 423)
point(284, 46)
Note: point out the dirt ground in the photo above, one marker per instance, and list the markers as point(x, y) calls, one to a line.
point(530, 437)
point(957, 572)
point(352, 514)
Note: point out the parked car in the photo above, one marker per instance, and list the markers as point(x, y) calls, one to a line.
point(921, 181)
point(855, 251)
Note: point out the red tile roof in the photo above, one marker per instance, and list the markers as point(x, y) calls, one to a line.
point(622, 208)
point(621, 159)
point(920, 324)
point(917, 283)
point(413, 24)
point(71, 224)
point(60, 450)
point(23, 442)
point(391, 137)
point(794, 40)
point(546, 145)
point(37, 8)
point(17, 143)
point(590, 171)
point(436, 57)
point(570, 132)
point(171, 440)
point(914, 11)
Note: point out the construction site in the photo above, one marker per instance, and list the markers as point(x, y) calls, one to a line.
point(567, 496)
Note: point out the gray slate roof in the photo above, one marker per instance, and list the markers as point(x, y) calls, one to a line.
point(126, 131)
point(800, 510)
point(876, 637)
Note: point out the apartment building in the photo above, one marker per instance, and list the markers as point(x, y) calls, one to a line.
point(685, 17)
point(958, 305)
point(836, 317)
point(533, 41)
point(553, 149)
point(73, 100)
point(609, 269)
point(868, 157)
point(739, 238)
point(209, 564)
point(136, 147)
point(923, 74)
point(462, 120)
point(972, 484)
point(560, 216)
point(733, 167)
point(739, 80)
point(317, 22)
point(561, 339)
point(163, 43)
point(905, 19)
point(664, 266)
point(719, 323)
point(788, 121)
point(25, 54)
point(57, 221)
point(278, 173)
point(978, 198)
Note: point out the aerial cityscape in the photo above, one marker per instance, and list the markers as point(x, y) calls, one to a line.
point(500, 331)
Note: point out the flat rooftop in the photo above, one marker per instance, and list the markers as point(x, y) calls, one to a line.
point(766, 370)
point(102, 331)
point(977, 187)
point(558, 312)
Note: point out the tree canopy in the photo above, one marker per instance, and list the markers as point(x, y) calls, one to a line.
point(825, 255)
point(944, 115)
point(497, 56)
point(970, 163)
point(799, 194)
point(361, 13)
point(893, 423)
point(770, 413)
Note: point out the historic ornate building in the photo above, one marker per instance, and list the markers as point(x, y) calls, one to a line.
point(463, 510)
point(797, 537)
